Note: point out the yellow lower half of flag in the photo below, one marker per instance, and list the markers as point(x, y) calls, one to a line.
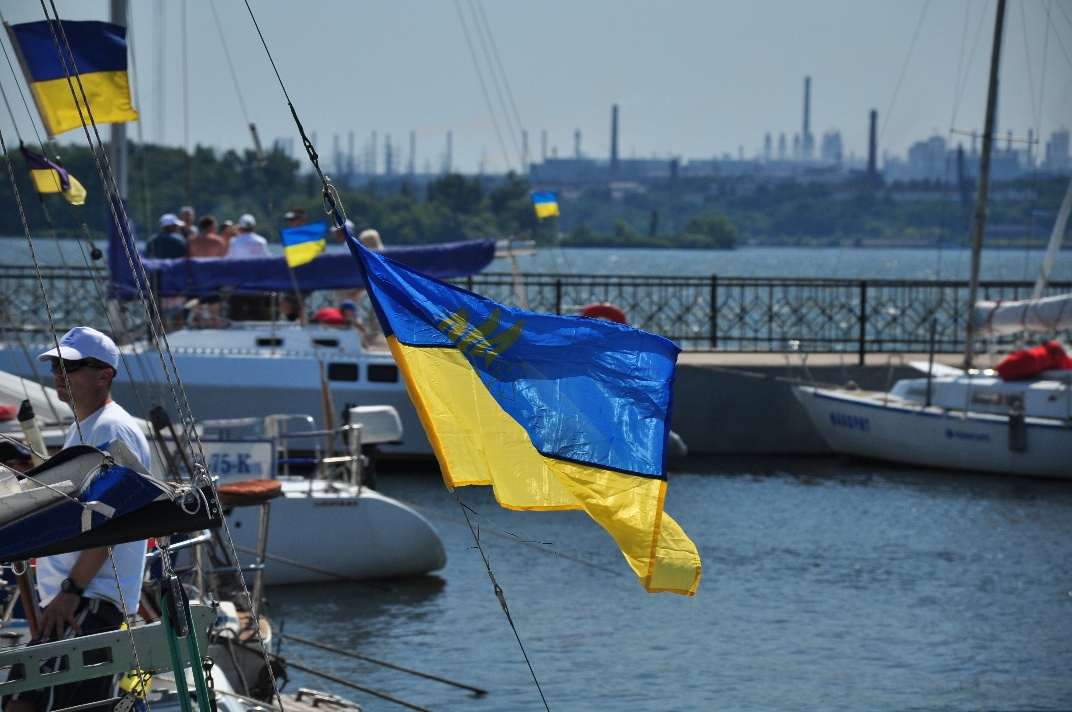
point(304, 252)
point(546, 210)
point(478, 443)
point(108, 94)
point(46, 180)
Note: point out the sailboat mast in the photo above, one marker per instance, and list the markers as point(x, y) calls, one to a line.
point(117, 146)
point(984, 181)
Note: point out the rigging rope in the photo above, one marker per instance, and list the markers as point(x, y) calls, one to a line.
point(904, 69)
point(479, 30)
point(116, 206)
point(335, 208)
point(118, 210)
point(483, 86)
point(37, 269)
point(499, 594)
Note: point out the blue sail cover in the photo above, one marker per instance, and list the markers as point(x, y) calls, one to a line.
point(120, 488)
point(331, 270)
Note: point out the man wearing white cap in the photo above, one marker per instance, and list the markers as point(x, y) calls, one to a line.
point(169, 242)
point(78, 590)
point(247, 243)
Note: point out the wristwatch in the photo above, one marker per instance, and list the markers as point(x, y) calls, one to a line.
point(69, 586)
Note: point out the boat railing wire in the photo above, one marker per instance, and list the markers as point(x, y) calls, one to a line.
point(698, 313)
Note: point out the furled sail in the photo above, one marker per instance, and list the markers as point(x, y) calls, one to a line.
point(1045, 315)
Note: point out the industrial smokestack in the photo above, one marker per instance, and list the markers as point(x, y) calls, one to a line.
point(808, 142)
point(614, 140)
point(577, 144)
point(412, 152)
point(872, 150)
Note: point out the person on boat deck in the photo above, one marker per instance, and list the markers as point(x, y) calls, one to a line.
point(290, 307)
point(78, 590)
point(206, 243)
point(368, 238)
point(187, 215)
point(247, 243)
point(227, 231)
point(169, 242)
point(295, 217)
point(352, 320)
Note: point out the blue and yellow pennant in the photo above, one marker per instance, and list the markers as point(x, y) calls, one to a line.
point(49, 177)
point(553, 412)
point(303, 243)
point(98, 55)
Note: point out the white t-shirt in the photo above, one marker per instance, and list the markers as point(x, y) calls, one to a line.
point(247, 244)
point(109, 423)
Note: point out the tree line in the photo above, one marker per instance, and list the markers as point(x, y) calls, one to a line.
point(700, 213)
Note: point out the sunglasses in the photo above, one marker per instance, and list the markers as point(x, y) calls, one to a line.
point(71, 366)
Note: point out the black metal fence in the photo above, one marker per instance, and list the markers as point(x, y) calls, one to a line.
point(702, 313)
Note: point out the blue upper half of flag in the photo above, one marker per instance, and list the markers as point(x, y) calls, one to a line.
point(544, 198)
point(293, 236)
point(585, 390)
point(94, 47)
point(37, 162)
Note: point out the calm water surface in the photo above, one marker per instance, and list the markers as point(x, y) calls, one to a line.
point(828, 584)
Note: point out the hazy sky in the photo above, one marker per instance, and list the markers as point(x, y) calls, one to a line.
point(693, 79)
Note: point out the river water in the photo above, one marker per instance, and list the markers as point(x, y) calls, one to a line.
point(828, 584)
point(833, 262)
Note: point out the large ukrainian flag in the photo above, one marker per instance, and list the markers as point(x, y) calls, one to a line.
point(98, 55)
point(553, 412)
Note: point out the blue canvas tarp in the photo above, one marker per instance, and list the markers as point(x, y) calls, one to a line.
point(330, 270)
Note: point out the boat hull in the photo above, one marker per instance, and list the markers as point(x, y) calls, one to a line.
point(256, 370)
point(870, 425)
point(358, 536)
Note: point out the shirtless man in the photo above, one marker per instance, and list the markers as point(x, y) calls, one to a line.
point(206, 243)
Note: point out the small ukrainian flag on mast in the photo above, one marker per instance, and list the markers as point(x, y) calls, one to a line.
point(303, 243)
point(95, 51)
point(49, 177)
point(546, 204)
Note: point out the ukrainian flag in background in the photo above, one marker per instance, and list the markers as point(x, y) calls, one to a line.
point(303, 243)
point(49, 177)
point(546, 204)
point(553, 412)
point(98, 54)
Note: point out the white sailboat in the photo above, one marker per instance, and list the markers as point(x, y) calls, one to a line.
point(966, 419)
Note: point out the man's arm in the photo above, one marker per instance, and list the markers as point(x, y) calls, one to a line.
point(60, 611)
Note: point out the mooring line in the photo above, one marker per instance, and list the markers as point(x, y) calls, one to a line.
point(510, 536)
point(317, 569)
point(358, 656)
point(499, 594)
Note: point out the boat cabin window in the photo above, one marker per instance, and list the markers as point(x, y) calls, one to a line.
point(329, 343)
point(269, 341)
point(383, 373)
point(342, 371)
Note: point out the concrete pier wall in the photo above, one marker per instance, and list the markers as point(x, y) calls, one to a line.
point(743, 403)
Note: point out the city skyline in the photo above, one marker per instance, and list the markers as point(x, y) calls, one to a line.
point(692, 80)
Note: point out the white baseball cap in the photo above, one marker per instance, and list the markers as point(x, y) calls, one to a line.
point(83, 342)
point(247, 220)
point(169, 219)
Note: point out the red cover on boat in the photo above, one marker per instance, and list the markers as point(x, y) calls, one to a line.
point(330, 315)
point(1030, 361)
